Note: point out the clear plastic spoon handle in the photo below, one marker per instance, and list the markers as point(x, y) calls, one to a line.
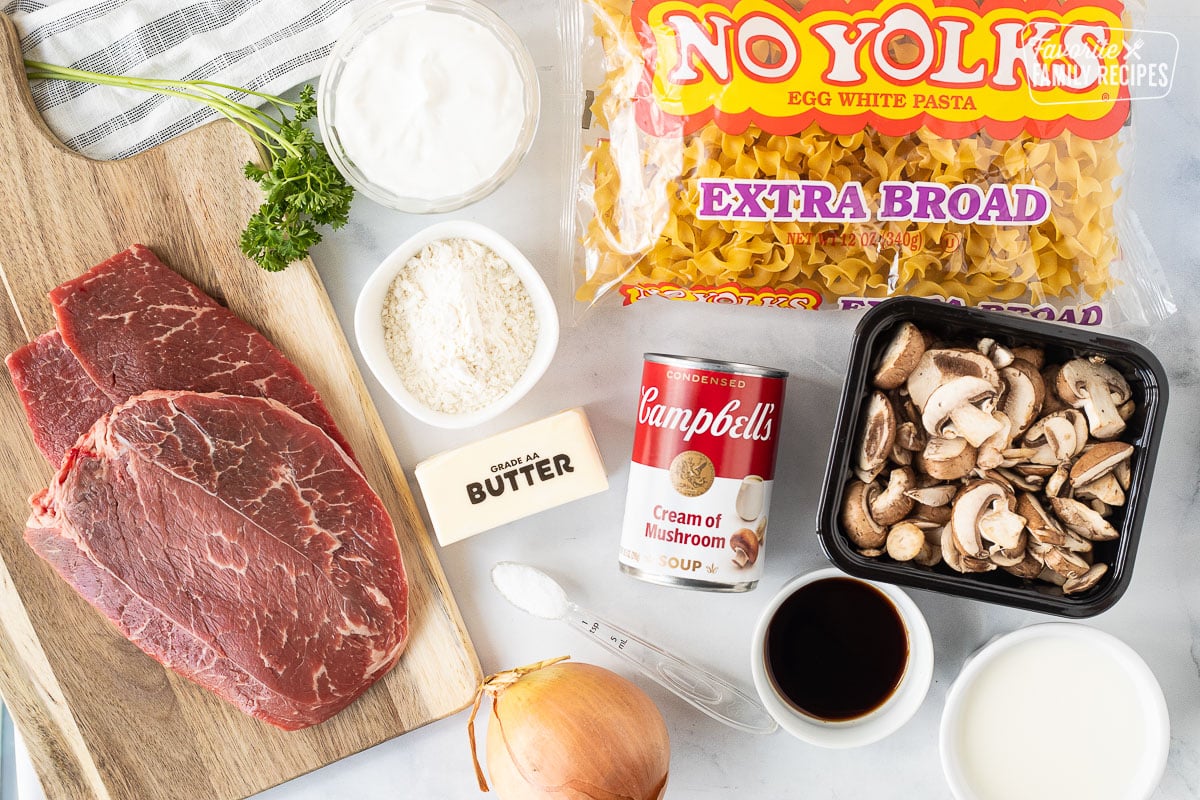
point(718, 698)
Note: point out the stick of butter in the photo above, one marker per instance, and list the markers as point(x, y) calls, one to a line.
point(511, 475)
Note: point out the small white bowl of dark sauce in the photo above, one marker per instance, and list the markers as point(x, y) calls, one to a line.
point(841, 662)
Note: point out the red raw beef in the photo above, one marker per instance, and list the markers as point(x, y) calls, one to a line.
point(61, 401)
point(136, 325)
point(233, 541)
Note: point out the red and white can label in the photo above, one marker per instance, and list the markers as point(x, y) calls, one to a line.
point(701, 475)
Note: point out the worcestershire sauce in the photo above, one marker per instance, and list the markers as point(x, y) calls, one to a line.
point(837, 649)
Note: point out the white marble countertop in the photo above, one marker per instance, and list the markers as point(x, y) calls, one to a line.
point(598, 366)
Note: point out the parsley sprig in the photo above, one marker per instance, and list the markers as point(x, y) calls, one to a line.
point(302, 187)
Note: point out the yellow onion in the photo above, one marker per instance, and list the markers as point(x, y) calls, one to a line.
point(571, 731)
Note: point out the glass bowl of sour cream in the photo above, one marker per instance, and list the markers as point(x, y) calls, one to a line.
point(428, 105)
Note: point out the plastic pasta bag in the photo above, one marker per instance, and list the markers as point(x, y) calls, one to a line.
point(836, 152)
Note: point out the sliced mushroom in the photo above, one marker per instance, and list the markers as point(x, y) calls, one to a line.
point(1082, 520)
point(940, 366)
point(1058, 437)
point(939, 495)
point(1087, 580)
point(1106, 489)
point(980, 505)
point(1098, 462)
point(931, 553)
point(953, 411)
point(901, 357)
point(956, 560)
point(905, 541)
point(991, 451)
point(1025, 395)
point(934, 515)
point(871, 552)
point(1097, 389)
point(1124, 474)
point(910, 437)
point(879, 434)
point(997, 353)
point(1028, 568)
point(1052, 402)
point(947, 459)
point(893, 503)
point(1065, 563)
point(860, 526)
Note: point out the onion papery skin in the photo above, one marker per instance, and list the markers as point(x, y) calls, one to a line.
point(575, 731)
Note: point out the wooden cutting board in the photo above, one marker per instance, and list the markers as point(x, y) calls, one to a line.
point(101, 719)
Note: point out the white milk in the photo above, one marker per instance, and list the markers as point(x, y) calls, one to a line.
point(1053, 718)
point(430, 105)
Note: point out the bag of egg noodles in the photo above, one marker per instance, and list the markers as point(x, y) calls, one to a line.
point(831, 153)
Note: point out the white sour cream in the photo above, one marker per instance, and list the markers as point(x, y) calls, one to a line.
point(430, 105)
point(1053, 719)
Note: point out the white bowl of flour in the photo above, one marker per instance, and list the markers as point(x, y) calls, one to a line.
point(456, 324)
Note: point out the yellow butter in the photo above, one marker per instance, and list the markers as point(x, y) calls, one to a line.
point(511, 475)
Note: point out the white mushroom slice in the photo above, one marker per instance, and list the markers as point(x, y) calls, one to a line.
point(991, 452)
point(905, 541)
point(870, 552)
point(901, 357)
point(1058, 436)
point(1029, 483)
point(1124, 474)
point(1065, 563)
point(892, 504)
point(1106, 489)
point(1085, 581)
point(879, 435)
point(1082, 520)
point(901, 457)
point(1007, 556)
point(1097, 389)
point(1002, 527)
point(940, 366)
point(1101, 508)
point(956, 560)
point(1028, 568)
point(947, 459)
point(952, 411)
point(939, 495)
point(930, 555)
point(1050, 576)
point(934, 515)
point(1042, 527)
point(856, 517)
point(1055, 482)
point(970, 506)
point(1099, 461)
point(997, 353)
point(910, 437)
point(1127, 410)
point(1025, 395)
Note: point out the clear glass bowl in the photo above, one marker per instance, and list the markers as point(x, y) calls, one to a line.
point(370, 20)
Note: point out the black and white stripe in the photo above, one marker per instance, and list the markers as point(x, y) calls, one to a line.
point(263, 45)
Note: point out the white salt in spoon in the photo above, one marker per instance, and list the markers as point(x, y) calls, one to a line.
point(536, 593)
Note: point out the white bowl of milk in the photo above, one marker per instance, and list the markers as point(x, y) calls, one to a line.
point(1059, 711)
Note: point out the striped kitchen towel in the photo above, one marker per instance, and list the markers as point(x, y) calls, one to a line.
point(264, 45)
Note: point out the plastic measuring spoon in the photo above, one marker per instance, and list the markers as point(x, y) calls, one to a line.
point(536, 593)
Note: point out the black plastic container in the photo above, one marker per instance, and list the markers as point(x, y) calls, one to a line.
point(1139, 366)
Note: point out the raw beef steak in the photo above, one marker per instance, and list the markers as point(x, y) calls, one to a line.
point(234, 542)
point(136, 325)
point(61, 401)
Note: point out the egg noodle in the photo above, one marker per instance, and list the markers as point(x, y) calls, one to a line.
point(834, 151)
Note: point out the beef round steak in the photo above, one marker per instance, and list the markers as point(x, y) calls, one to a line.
point(137, 325)
point(236, 543)
point(61, 401)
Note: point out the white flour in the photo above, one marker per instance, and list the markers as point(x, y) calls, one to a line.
point(459, 326)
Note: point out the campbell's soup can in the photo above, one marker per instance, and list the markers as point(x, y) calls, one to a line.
point(701, 473)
